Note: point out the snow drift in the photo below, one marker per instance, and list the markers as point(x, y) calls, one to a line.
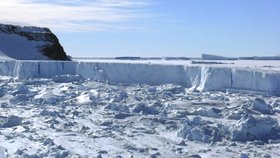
point(199, 77)
point(29, 43)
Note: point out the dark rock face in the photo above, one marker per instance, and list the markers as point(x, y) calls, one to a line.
point(52, 48)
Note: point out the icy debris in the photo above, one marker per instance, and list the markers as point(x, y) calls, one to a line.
point(11, 121)
point(152, 89)
point(212, 112)
point(83, 99)
point(20, 99)
point(155, 155)
point(2, 152)
point(144, 109)
point(180, 113)
point(276, 106)
point(46, 112)
point(194, 156)
point(33, 155)
point(197, 134)
point(239, 113)
point(122, 115)
point(243, 155)
point(2, 91)
point(133, 147)
point(49, 99)
point(175, 89)
point(203, 133)
point(103, 152)
point(4, 105)
point(117, 107)
point(250, 128)
point(62, 154)
point(218, 97)
point(67, 78)
point(182, 143)
point(99, 156)
point(20, 89)
point(20, 151)
point(267, 156)
point(275, 103)
point(122, 95)
point(199, 121)
point(106, 123)
point(48, 141)
point(236, 115)
point(261, 106)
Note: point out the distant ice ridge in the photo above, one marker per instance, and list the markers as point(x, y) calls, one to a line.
point(198, 77)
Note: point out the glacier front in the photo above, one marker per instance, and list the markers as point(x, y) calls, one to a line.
point(196, 77)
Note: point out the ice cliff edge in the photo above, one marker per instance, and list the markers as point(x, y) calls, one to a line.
point(29, 43)
point(195, 78)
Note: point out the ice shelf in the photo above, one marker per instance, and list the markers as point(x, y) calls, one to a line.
point(195, 77)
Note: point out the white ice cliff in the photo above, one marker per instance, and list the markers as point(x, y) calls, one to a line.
point(198, 77)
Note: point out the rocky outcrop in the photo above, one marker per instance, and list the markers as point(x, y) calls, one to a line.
point(17, 40)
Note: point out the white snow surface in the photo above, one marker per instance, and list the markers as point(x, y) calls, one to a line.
point(138, 109)
point(13, 46)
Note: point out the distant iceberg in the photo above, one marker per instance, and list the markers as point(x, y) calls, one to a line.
point(216, 57)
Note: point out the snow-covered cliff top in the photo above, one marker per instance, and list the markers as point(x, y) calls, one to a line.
point(29, 43)
point(256, 64)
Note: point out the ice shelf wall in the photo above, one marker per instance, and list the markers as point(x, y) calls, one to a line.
point(199, 77)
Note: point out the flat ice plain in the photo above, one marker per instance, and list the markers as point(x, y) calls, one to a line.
point(149, 108)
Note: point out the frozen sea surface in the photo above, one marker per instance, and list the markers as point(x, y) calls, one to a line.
point(83, 118)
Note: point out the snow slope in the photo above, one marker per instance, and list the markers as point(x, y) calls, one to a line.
point(196, 77)
point(29, 43)
point(17, 47)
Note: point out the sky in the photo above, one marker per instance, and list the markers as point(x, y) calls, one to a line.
point(154, 28)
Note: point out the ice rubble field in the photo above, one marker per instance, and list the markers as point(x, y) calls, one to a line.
point(123, 109)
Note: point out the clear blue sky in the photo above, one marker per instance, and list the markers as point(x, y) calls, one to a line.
point(162, 27)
